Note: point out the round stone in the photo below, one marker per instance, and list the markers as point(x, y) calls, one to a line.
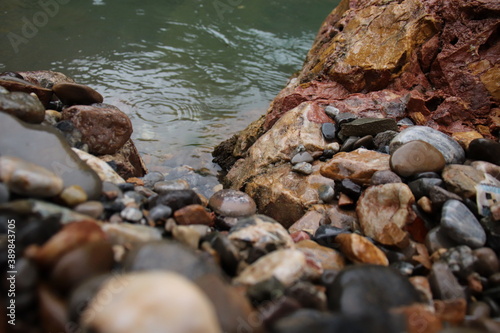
point(93, 209)
point(72, 93)
point(461, 225)
point(170, 185)
point(232, 203)
point(487, 261)
point(152, 302)
point(73, 195)
point(416, 157)
point(385, 177)
point(131, 214)
point(485, 150)
point(28, 179)
point(329, 131)
point(452, 152)
point(303, 168)
point(326, 193)
point(160, 212)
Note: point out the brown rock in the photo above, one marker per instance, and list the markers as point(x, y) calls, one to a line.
point(128, 161)
point(52, 309)
point(345, 201)
point(22, 106)
point(104, 129)
point(360, 250)
point(462, 179)
point(18, 85)
point(419, 318)
point(416, 157)
point(46, 79)
point(487, 167)
point(452, 311)
point(309, 222)
point(422, 285)
point(193, 214)
point(73, 93)
point(329, 258)
point(342, 218)
point(425, 204)
point(358, 166)
point(465, 138)
point(383, 211)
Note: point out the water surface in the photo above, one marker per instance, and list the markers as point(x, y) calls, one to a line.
point(189, 74)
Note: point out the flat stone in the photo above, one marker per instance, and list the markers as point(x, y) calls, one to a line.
point(73, 93)
point(368, 126)
point(22, 106)
point(170, 185)
point(360, 250)
point(415, 157)
point(152, 302)
point(329, 258)
point(104, 129)
point(384, 210)
point(462, 179)
point(384, 177)
point(28, 179)
point(484, 150)
point(358, 166)
point(232, 203)
point(303, 168)
point(302, 157)
point(329, 131)
point(45, 78)
point(452, 152)
point(348, 144)
point(176, 199)
point(443, 283)
point(44, 146)
point(461, 225)
point(14, 84)
point(193, 214)
point(103, 170)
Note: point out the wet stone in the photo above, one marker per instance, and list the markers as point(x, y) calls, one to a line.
point(176, 199)
point(485, 150)
point(72, 93)
point(232, 203)
point(303, 168)
point(302, 157)
point(25, 178)
point(487, 262)
point(22, 106)
point(364, 142)
point(329, 131)
point(160, 212)
point(368, 126)
point(385, 177)
point(93, 209)
point(15, 84)
point(416, 157)
point(422, 187)
point(461, 225)
point(170, 185)
point(443, 283)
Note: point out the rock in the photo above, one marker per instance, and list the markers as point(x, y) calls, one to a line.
point(452, 152)
point(326, 193)
point(303, 168)
point(415, 157)
point(486, 261)
point(28, 179)
point(14, 84)
point(302, 157)
point(368, 290)
point(286, 265)
point(329, 131)
point(160, 212)
point(232, 203)
point(437, 239)
point(170, 185)
point(307, 295)
point(103, 170)
point(465, 138)
point(384, 210)
point(152, 178)
point(486, 167)
point(176, 199)
point(152, 301)
point(344, 118)
point(384, 177)
point(132, 214)
point(358, 249)
point(443, 283)
point(349, 188)
point(364, 142)
point(358, 166)
point(461, 225)
point(327, 257)
point(22, 106)
point(422, 186)
point(368, 126)
point(331, 111)
point(84, 262)
point(4, 193)
point(190, 235)
point(439, 196)
point(73, 195)
point(193, 214)
point(46, 147)
point(462, 179)
point(348, 144)
point(257, 235)
point(126, 233)
point(484, 150)
point(325, 235)
point(46, 79)
point(128, 161)
point(384, 139)
point(460, 261)
point(104, 129)
point(309, 222)
point(93, 209)
point(73, 93)
point(169, 256)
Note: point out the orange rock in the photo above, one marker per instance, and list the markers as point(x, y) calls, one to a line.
point(193, 214)
point(345, 201)
point(452, 311)
point(421, 283)
point(465, 138)
point(360, 250)
point(419, 318)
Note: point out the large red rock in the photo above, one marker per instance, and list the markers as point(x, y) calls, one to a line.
point(105, 129)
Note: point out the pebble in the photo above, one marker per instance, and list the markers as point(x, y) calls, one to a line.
point(349, 188)
point(329, 258)
point(360, 250)
point(368, 126)
point(193, 214)
point(462, 179)
point(302, 157)
point(22, 106)
point(325, 235)
point(126, 233)
point(232, 203)
point(364, 142)
point(383, 139)
point(91, 208)
point(422, 187)
point(384, 177)
point(151, 301)
point(132, 214)
point(437, 239)
point(103, 170)
point(175, 199)
point(460, 260)
point(326, 193)
point(484, 150)
point(342, 118)
point(190, 235)
point(170, 185)
point(439, 196)
point(28, 179)
point(461, 225)
point(329, 131)
point(487, 167)
point(303, 168)
point(160, 212)
point(487, 262)
point(15, 84)
point(310, 222)
point(348, 144)
point(443, 283)
point(383, 211)
point(73, 195)
point(72, 93)
point(465, 138)
point(4, 193)
point(452, 152)
point(415, 157)
point(331, 111)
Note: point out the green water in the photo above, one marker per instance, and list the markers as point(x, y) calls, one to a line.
point(188, 73)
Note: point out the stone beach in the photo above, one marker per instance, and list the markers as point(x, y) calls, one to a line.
point(366, 199)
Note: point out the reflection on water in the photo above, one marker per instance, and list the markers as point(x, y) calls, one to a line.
point(188, 73)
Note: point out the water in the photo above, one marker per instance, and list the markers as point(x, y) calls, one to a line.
point(189, 74)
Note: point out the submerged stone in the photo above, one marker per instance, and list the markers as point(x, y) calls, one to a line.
point(44, 146)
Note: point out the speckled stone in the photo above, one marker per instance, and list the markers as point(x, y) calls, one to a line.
point(415, 157)
point(461, 225)
point(451, 149)
point(232, 203)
